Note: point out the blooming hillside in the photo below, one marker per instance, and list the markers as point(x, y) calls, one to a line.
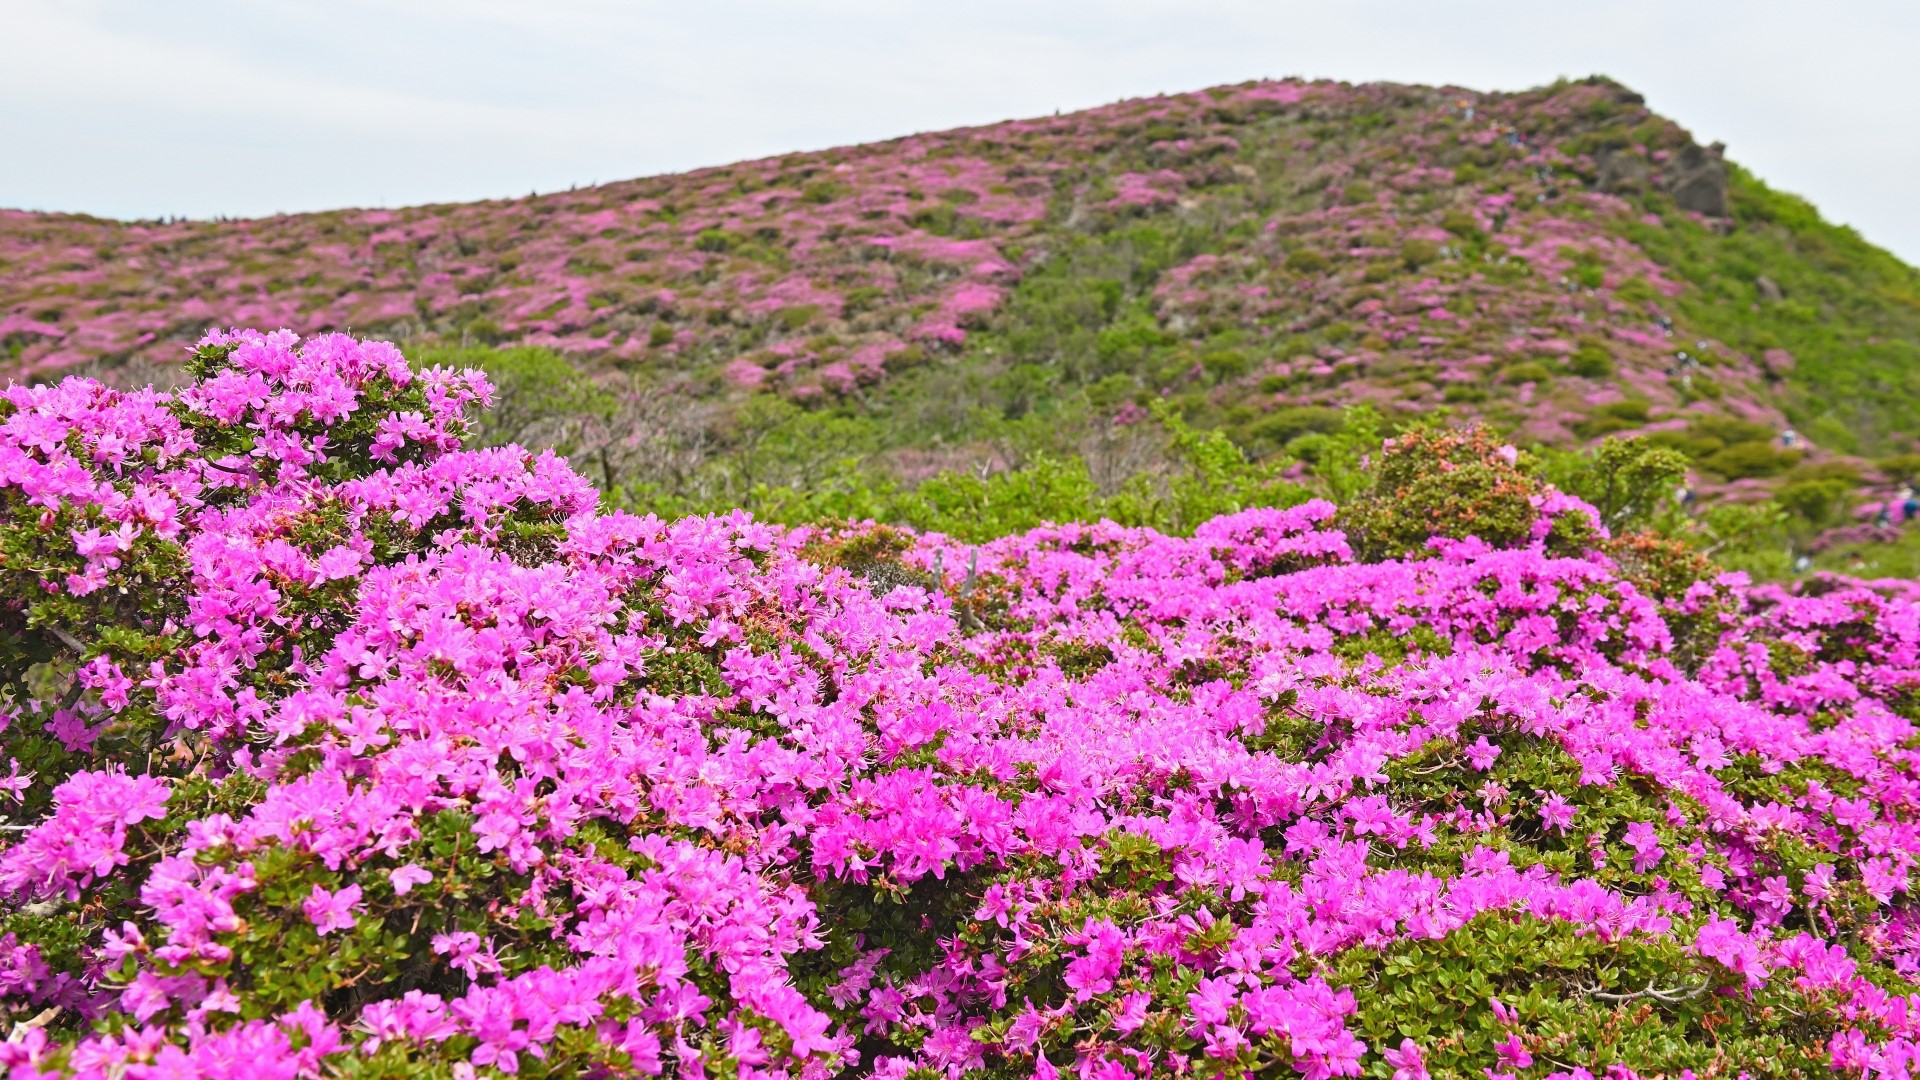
point(336, 749)
point(1560, 262)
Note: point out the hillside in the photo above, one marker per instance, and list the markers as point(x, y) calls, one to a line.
point(1559, 262)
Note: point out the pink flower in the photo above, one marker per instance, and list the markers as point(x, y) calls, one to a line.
point(330, 911)
point(1556, 812)
point(1645, 843)
point(1407, 1061)
point(404, 878)
point(1513, 1053)
point(1482, 754)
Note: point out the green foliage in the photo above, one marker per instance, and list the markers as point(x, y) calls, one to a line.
point(1435, 482)
point(1525, 372)
point(1816, 502)
point(537, 392)
point(1628, 481)
point(1206, 475)
point(1419, 253)
point(1750, 459)
point(1592, 361)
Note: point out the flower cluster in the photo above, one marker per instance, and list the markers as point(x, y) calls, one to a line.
point(337, 749)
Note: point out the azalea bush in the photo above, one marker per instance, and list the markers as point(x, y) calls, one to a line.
point(335, 748)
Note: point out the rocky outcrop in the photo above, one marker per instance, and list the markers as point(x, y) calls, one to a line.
point(1618, 171)
point(1697, 180)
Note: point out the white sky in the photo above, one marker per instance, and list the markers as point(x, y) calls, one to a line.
point(134, 108)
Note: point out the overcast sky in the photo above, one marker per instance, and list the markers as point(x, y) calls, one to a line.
point(140, 108)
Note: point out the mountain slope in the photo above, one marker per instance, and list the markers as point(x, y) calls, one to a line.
point(1560, 262)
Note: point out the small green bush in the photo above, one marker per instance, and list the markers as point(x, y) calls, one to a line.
point(1305, 261)
point(1903, 468)
point(1817, 502)
point(1418, 253)
point(715, 240)
point(1225, 365)
point(1746, 460)
point(1591, 361)
point(1284, 425)
point(1461, 224)
point(1730, 430)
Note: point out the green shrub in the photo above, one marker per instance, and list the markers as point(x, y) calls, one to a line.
point(1225, 365)
point(1904, 468)
point(1305, 261)
point(1591, 361)
point(1612, 417)
point(1637, 410)
point(1626, 480)
point(1432, 481)
point(1745, 460)
point(1817, 502)
point(538, 393)
point(1635, 290)
point(1462, 224)
point(715, 240)
point(1418, 253)
point(1685, 442)
point(1836, 469)
point(1730, 430)
point(1284, 425)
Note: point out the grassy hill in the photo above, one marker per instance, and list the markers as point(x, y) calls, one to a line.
point(1560, 263)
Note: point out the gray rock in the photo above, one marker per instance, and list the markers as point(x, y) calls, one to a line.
point(1620, 170)
point(1698, 180)
point(1769, 291)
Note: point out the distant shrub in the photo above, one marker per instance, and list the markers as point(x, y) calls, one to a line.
point(798, 316)
point(1818, 502)
point(1729, 430)
point(1637, 410)
point(1224, 365)
point(1901, 467)
point(1461, 224)
point(715, 240)
point(1635, 290)
point(1685, 442)
point(1526, 371)
point(1599, 424)
point(1418, 253)
point(1591, 361)
point(1284, 425)
point(1745, 460)
point(1306, 261)
point(1835, 469)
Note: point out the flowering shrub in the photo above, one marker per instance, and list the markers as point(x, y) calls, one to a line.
point(337, 749)
point(1435, 482)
